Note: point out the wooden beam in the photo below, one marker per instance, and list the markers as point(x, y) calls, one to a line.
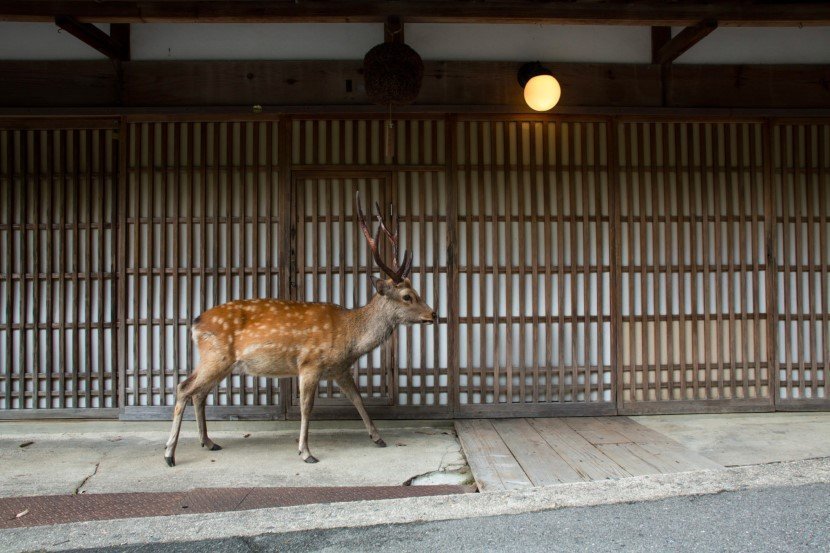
point(120, 33)
point(566, 12)
point(684, 40)
point(454, 85)
point(95, 37)
point(660, 36)
point(393, 30)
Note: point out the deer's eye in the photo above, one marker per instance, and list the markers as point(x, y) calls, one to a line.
point(407, 297)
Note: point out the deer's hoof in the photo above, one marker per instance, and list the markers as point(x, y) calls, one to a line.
point(215, 447)
point(171, 462)
point(380, 443)
point(311, 459)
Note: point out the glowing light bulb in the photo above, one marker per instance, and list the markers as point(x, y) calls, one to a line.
point(542, 92)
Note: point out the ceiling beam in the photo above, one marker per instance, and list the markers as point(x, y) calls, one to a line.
point(660, 36)
point(684, 40)
point(455, 85)
point(120, 33)
point(568, 12)
point(393, 30)
point(112, 47)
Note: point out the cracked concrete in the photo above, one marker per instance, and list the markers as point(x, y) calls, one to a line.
point(452, 469)
point(111, 457)
point(85, 480)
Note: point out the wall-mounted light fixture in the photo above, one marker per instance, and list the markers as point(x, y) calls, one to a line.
point(542, 90)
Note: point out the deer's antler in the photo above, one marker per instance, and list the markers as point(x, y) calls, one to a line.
point(399, 272)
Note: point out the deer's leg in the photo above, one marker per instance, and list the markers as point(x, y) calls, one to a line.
point(183, 393)
point(199, 400)
point(215, 365)
point(308, 390)
point(346, 383)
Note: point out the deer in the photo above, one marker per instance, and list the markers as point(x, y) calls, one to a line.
point(308, 340)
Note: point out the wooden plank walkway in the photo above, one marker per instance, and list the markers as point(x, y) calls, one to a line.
point(509, 454)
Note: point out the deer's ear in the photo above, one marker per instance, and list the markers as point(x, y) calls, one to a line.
point(381, 284)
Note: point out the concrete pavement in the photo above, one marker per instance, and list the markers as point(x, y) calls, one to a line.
point(218, 526)
point(109, 457)
point(733, 439)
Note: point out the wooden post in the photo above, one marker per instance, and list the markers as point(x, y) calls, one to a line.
point(451, 175)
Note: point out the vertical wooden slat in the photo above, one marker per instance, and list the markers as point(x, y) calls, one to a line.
point(643, 270)
point(175, 298)
point(136, 213)
point(771, 255)
point(534, 259)
point(810, 204)
point(785, 188)
point(190, 177)
point(104, 191)
point(586, 260)
point(684, 211)
point(825, 303)
point(548, 245)
point(522, 259)
point(468, 257)
point(558, 161)
point(730, 260)
point(757, 260)
point(482, 273)
point(164, 168)
point(35, 185)
point(668, 240)
point(743, 296)
point(494, 173)
point(49, 203)
point(654, 181)
point(629, 218)
point(76, 302)
point(508, 231)
point(612, 132)
point(450, 176)
point(570, 129)
point(600, 262)
point(707, 261)
point(11, 180)
point(693, 234)
point(436, 295)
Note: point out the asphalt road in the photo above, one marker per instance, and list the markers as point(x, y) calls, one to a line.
point(787, 519)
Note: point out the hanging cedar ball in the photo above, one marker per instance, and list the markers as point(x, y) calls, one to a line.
point(393, 73)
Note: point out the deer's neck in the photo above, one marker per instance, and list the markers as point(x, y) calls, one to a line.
point(371, 325)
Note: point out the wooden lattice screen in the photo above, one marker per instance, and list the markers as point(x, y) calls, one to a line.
point(333, 158)
point(534, 267)
point(801, 178)
point(579, 265)
point(201, 227)
point(57, 263)
point(693, 271)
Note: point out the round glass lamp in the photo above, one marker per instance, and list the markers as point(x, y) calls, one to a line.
point(541, 89)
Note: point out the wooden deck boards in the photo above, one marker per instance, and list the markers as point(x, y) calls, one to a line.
point(507, 454)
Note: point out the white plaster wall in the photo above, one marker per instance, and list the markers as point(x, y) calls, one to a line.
point(761, 45)
point(43, 41)
point(434, 41)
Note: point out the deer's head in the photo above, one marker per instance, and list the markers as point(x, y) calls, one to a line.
point(396, 291)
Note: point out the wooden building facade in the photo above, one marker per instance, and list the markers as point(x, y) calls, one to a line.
point(659, 243)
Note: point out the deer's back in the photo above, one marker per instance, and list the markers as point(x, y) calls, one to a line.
point(271, 337)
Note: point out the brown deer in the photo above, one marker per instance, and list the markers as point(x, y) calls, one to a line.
point(278, 338)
